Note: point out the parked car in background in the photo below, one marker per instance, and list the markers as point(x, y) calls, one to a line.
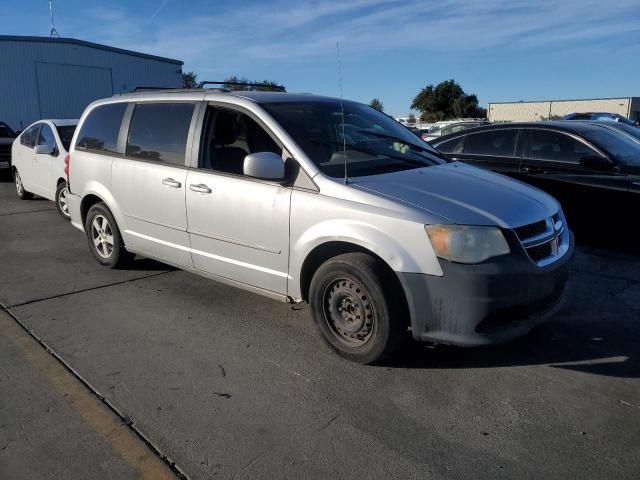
point(39, 157)
point(600, 116)
point(273, 193)
point(7, 135)
point(451, 126)
point(588, 166)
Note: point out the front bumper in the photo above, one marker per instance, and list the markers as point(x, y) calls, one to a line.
point(487, 303)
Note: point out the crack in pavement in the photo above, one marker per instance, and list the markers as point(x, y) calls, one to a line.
point(175, 469)
point(89, 289)
point(30, 211)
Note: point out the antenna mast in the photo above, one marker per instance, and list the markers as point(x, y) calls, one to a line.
point(344, 140)
point(53, 33)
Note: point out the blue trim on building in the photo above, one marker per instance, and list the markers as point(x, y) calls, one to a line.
point(73, 41)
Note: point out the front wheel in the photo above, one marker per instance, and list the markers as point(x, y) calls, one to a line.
point(105, 241)
point(62, 206)
point(20, 190)
point(355, 309)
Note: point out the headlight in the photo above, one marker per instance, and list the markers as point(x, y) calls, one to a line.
point(466, 244)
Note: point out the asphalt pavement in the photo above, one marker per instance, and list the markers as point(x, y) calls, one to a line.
point(228, 384)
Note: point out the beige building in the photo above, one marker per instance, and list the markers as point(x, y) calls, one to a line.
point(557, 109)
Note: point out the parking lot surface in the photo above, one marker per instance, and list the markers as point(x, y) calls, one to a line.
point(228, 384)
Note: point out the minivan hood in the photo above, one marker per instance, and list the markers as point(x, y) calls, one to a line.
point(463, 194)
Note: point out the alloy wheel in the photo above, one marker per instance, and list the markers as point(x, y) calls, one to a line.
point(19, 186)
point(62, 201)
point(102, 236)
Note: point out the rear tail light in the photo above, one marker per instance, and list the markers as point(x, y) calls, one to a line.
point(67, 164)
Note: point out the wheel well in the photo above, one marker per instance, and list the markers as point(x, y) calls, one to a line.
point(87, 202)
point(60, 180)
point(328, 250)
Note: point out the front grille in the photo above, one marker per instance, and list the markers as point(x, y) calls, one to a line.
point(540, 252)
point(545, 240)
point(531, 230)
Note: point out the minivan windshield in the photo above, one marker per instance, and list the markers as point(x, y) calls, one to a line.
point(368, 141)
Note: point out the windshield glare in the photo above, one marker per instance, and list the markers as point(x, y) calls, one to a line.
point(620, 146)
point(369, 142)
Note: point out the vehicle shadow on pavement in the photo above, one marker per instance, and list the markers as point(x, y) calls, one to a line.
point(147, 264)
point(554, 345)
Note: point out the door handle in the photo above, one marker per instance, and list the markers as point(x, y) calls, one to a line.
point(532, 170)
point(200, 188)
point(170, 182)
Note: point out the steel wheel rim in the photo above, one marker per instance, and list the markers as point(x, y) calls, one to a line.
point(348, 312)
point(102, 236)
point(62, 201)
point(19, 187)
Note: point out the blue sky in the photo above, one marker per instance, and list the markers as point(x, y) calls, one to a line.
point(502, 50)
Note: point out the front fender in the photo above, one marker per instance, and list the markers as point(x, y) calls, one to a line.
point(402, 244)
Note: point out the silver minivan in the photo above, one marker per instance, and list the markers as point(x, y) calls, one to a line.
point(311, 199)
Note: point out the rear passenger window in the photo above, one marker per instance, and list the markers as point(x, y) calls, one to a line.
point(158, 132)
point(499, 143)
point(29, 137)
point(100, 129)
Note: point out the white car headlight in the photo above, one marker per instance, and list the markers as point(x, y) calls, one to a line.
point(467, 244)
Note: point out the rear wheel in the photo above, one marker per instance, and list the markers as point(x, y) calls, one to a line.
point(105, 241)
point(62, 206)
point(355, 309)
point(20, 190)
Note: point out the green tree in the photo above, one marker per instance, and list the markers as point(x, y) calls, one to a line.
point(264, 85)
point(412, 118)
point(377, 104)
point(445, 101)
point(189, 80)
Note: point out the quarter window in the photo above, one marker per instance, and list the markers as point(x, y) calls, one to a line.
point(46, 137)
point(450, 146)
point(550, 145)
point(159, 131)
point(100, 129)
point(498, 143)
point(30, 136)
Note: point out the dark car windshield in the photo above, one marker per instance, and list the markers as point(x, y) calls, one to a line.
point(66, 134)
point(619, 146)
point(629, 130)
point(368, 141)
point(5, 131)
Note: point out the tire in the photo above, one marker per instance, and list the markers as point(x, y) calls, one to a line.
point(20, 190)
point(105, 241)
point(61, 200)
point(354, 306)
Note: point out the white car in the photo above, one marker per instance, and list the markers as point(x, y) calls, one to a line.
point(38, 161)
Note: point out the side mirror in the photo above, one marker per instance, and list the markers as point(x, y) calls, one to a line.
point(43, 150)
point(596, 162)
point(264, 165)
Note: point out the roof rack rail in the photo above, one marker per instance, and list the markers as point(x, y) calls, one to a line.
point(143, 88)
point(277, 88)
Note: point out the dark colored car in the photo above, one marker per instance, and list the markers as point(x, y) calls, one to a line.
point(552, 155)
point(7, 135)
point(600, 116)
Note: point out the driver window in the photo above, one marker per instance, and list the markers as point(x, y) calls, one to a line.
point(46, 137)
point(228, 137)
